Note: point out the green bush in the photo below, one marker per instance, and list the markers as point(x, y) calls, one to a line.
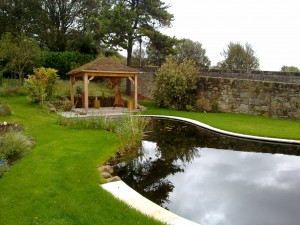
point(14, 145)
point(62, 104)
point(215, 107)
point(5, 109)
point(65, 61)
point(175, 85)
point(41, 85)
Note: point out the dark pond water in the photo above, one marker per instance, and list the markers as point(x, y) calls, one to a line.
point(213, 179)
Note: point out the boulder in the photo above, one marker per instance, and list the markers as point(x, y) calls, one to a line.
point(106, 175)
point(113, 179)
point(107, 169)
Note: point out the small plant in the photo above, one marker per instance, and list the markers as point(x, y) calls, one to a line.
point(62, 104)
point(41, 85)
point(14, 145)
point(203, 105)
point(5, 109)
point(215, 107)
point(190, 108)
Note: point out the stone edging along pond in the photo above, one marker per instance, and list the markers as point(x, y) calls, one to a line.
point(228, 133)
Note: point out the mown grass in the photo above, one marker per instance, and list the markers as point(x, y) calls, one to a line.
point(58, 183)
point(240, 123)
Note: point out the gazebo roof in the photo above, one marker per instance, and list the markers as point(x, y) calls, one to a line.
point(104, 66)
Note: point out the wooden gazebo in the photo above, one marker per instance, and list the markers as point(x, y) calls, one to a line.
point(104, 68)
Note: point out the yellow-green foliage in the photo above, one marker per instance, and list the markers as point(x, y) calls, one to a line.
point(41, 85)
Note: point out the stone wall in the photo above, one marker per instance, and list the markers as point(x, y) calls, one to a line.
point(274, 94)
point(274, 99)
point(145, 83)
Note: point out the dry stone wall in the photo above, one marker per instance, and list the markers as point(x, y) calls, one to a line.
point(273, 94)
point(274, 99)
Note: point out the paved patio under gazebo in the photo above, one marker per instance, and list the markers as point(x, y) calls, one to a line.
point(102, 68)
point(103, 111)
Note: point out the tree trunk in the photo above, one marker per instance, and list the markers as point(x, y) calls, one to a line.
point(129, 59)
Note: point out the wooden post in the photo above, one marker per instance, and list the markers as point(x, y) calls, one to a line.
point(72, 82)
point(135, 92)
point(86, 91)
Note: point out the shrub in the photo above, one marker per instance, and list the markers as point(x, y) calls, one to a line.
point(175, 85)
point(41, 85)
point(203, 105)
point(62, 104)
point(14, 145)
point(5, 109)
point(215, 107)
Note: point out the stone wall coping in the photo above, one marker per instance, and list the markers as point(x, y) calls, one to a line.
point(257, 72)
point(251, 80)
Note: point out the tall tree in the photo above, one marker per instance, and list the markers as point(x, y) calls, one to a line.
point(62, 18)
point(56, 24)
point(126, 21)
point(240, 58)
point(19, 53)
point(160, 47)
point(188, 49)
point(18, 16)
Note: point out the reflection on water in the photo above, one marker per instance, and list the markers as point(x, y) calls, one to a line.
point(213, 179)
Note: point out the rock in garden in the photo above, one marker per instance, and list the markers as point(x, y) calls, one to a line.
point(107, 169)
point(52, 108)
point(113, 179)
point(106, 175)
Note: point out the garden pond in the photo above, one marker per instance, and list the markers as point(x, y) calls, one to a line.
point(214, 179)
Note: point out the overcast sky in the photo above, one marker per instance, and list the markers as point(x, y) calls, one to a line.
point(272, 27)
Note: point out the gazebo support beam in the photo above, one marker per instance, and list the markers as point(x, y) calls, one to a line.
point(72, 82)
point(135, 92)
point(86, 91)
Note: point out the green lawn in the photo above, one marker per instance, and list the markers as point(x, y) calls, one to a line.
point(244, 124)
point(58, 182)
